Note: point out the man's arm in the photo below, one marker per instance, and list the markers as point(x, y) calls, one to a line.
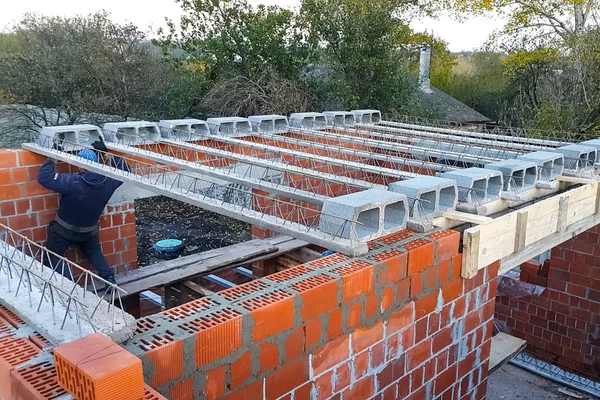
point(52, 180)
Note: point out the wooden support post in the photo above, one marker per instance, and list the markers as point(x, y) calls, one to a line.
point(563, 213)
point(171, 297)
point(521, 232)
point(470, 254)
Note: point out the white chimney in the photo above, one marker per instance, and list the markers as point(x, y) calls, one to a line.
point(424, 67)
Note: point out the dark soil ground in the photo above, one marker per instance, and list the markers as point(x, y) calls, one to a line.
point(159, 218)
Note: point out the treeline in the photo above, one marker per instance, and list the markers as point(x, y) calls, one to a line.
point(227, 58)
point(231, 58)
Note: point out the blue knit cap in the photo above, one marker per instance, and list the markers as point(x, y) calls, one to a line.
point(88, 154)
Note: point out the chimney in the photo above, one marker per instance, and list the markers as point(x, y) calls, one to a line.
point(424, 66)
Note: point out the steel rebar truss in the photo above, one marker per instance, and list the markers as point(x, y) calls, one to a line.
point(287, 216)
point(35, 281)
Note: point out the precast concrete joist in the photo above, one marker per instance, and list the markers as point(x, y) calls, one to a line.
point(339, 118)
point(428, 196)
point(229, 126)
point(333, 150)
point(415, 151)
point(329, 160)
point(550, 164)
point(183, 129)
point(135, 132)
point(70, 137)
point(483, 135)
point(272, 164)
point(377, 212)
point(595, 143)
point(442, 143)
point(578, 157)
point(367, 117)
point(173, 189)
point(307, 120)
point(477, 185)
point(221, 174)
point(518, 175)
point(269, 123)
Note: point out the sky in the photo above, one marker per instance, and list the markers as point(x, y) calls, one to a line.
point(150, 14)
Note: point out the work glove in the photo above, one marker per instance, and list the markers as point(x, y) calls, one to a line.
point(99, 145)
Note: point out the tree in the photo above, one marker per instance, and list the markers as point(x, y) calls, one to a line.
point(89, 69)
point(246, 51)
point(356, 40)
point(541, 21)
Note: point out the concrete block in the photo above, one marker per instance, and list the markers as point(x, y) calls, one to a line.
point(369, 117)
point(429, 194)
point(518, 175)
point(337, 118)
point(308, 120)
point(185, 130)
point(269, 123)
point(550, 164)
point(70, 137)
point(595, 143)
point(229, 126)
point(578, 157)
point(365, 215)
point(131, 133)
point(476, 185)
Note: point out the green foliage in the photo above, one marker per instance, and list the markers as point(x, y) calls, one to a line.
point(233, 37)
point(356, 39)
point(479, 82)
point(89, 64)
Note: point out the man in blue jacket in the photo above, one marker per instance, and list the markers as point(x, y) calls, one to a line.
point(84, 196)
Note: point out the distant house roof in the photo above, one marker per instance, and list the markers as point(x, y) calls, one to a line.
point(449, 109)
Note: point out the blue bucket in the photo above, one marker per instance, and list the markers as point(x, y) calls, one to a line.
point(168, 249)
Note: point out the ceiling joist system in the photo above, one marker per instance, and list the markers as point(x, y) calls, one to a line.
point(342, 179)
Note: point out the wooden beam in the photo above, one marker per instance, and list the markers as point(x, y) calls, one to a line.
point(198, 290)
point(575, 179)
point(466, 217)
point(184, 268)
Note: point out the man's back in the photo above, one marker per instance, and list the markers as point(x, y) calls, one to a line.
point(83, 195)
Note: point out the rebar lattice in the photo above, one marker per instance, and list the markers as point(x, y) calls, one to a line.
point(36, 277)
point(285, 215)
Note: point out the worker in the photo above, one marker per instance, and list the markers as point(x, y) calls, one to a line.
point(84, 196)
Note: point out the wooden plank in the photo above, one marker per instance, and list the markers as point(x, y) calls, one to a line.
point(508, 236)
point(467, 218)
point(287, 262)
point(563, 213)
point(198, 290)
point(511, 261)
point(504, 347)
point(575, 179)
point(521, 231)
point(470, 264)
point(205, 263)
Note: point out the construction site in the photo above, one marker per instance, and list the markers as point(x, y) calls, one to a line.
point(387, 259)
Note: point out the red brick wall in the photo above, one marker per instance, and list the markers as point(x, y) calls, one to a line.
point(399, 323)
point(562, 324)
point(28, 208)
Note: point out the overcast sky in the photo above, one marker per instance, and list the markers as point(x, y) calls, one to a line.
point(467, 35)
